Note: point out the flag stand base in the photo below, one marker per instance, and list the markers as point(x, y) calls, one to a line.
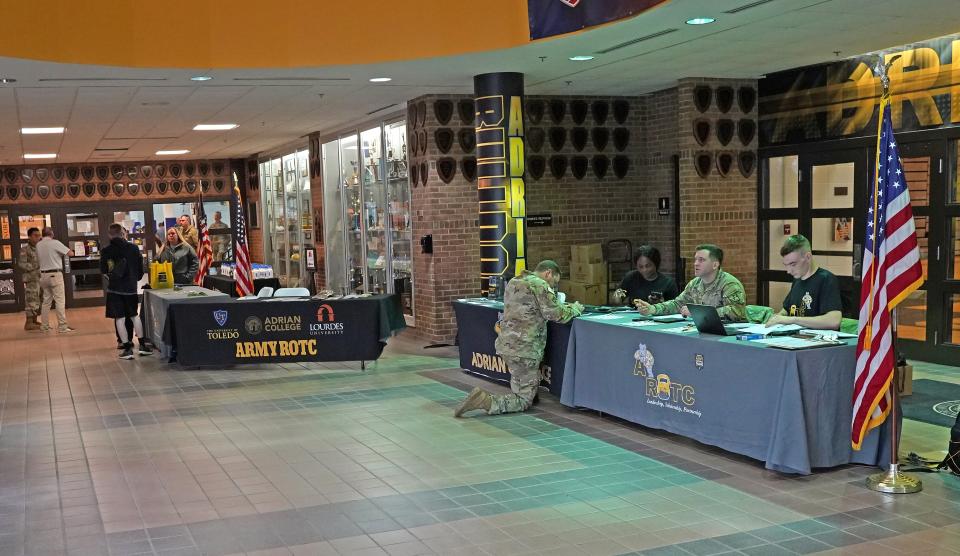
point(894, 482)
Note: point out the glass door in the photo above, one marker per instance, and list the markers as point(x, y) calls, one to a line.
point(82, 278)
point(398, 208)
point(305, 228)
point(11, 288)
point(333, 219)
point(374, 209)
point(291, 220)
point(350, 172)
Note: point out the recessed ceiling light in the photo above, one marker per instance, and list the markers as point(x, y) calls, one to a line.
point(39, 155)
point(700, 21)
point(201, 78)
point(581, 58)
point(213, 127)
point(380, 79)
point(7, 80)
point(173, 152)
point(40, 130)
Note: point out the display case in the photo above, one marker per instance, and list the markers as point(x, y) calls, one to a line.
point(8, 282)
point(367, 232)
point(287, 221)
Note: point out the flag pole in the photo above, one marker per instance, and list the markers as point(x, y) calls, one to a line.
point(893, 481)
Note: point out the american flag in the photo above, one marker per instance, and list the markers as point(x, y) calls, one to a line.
point(891, 271)
point(243, 272)
point(204, 251)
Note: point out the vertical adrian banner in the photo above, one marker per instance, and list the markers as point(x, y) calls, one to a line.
point(500, 168)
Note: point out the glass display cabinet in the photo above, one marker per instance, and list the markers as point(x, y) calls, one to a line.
point(8, 283)
point(367, 230)
point(287, 220)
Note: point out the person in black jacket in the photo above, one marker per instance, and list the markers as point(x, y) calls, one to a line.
point(122, 265)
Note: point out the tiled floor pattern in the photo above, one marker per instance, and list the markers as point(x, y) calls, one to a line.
point(101, 456)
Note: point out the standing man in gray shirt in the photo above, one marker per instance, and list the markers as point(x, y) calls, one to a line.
point(50, 252)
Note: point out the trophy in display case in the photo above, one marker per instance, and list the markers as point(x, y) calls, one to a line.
point(354, 178)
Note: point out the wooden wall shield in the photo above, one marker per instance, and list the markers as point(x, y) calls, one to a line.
point(558, 109)
point(205, 185)
point(414, 175)
point(118, 188)
point(42, 174)
point(746, 131)
point(13, 193)
point(116, 172)
point(444, 139)
point(411, 116)
point(217, 169)
point(558, 166)
point(26, 174)
point(57, 173)
point(146, 171)
point(103, 188)
point(746, 99)
point(468, 113)
point(600, 164)
point(600, 137)
point(218, 185)
point(162, 187)
point(469, 168)
point(446, 169)
point(701, 130)
point(43, 191)
point(725, 131)
point(621, 165)
point(73, 189)
point(59, 190)
point(578, 111)
point(467, 138)
point(73, 173)
point(422, 141)
point(724, 163)
point(190, 169)
point(27, 191)
point(558, 138)
point(702, 162)
point(414, 140)
point(190, 186)
point(536, 166)
point(725, 98)
point(535, 137)
point(176, 186)
point(421, 113)
point(148, 188)
point(578, 138)
point(702, 97)
point(11, 175)
point(443, 110)
point(89, 189)
point(535, 111)
point(599, 109)
point(160, 170)
point(578, 166)
point(747, 161)
point(175, 170)
point(621, 110)
point(133, 188)
point(424, 172)
point(621, 138)
point(132, 172)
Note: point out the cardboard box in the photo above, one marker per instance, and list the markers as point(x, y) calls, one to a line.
point(588, 273)
point(905, 380)
point(588, 294)
point(586, 253)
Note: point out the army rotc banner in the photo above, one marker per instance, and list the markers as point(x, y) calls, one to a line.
point(500, 167)
point(839, 100)
point(226, 332)
point(556, 17)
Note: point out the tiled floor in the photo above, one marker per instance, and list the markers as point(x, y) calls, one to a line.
point(103, 456)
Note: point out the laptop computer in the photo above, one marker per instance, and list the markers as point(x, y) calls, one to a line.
point(707, 320)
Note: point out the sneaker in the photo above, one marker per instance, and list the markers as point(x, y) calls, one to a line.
point(127, 353)
point(45, 327)
point(65, 329)
point(144, 350)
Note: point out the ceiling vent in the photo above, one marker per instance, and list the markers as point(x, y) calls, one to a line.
point(635, 41)
point(291, 79)
point(89, 79)
point(382, 108)
point(746, 7)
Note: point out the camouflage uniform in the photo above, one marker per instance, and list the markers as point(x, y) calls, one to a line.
point(528, 303)
point(725, 293)
point(29, 265)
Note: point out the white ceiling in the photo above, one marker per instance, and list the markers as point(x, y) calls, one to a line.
point(143, 111)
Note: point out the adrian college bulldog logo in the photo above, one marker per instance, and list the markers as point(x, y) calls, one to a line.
point(571, 3)
point(220, 316)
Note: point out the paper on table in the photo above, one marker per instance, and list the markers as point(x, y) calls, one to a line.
point(790, 342)
point(640, 323)
point(833, 333)
point(767, 330)
point(681, 329)
point(676, 317)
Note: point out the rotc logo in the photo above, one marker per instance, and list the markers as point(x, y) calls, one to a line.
point(698, 361)
point(220, 316)
point(254, 325)
point(807, 301)
point(643, 365)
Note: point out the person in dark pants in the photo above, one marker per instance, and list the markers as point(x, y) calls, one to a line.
point(122, 264)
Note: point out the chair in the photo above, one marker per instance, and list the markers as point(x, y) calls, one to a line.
point(265, 291)
point(292, 292)
point(619, 257)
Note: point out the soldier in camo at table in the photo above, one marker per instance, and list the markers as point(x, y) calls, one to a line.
point(29, 265)
point(710, 286)
point(529, 301)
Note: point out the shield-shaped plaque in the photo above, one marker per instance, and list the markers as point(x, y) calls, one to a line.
point(204, 185)
point(703, 161)
point(42, 174)
point(558, 138)
point(43, 191)
point(469, 168)
point(148, 188)
point(118, 188)
point(57, 173)
point(599, 109)
point(467, 111)
point(218, 185)
point(578, 166)
point(11, 175)
point(190, 169)
point(160, 170)
point(701, 130)
point(27, 191)
point(424, 172)
point(600, 137)
point(621, 109)
point(133, 188)
point(116, 172)
point(176, 186)
point(724, 163)
point(421, 113)
point(13, 193)
point(746, 99)
point(26, 174)
point(162, 187)
point(444, 139)
point(600, 164)
point(535, 111)
point(414, 147)
point(414, 175)
point(578, 111)
point(558, 109)
point(578, 138)
point(132, 172)
point(467, 139)
point(422, 141)
point(218, 168)
point(87, 173)
point(621, 138)
point(446, 169)
point(535, 137)
point(747, 161)
point(411, 116)
point(725, 98)
point(621, 165)
point(73, 173)
point(146, 171)
point(103, 188)
point(191, 186)
point(443, 110)
point(702, 96)
point(89, 189)
point(59, 190)
point(746, 131)
point(536, 166)
point(3, 191)
point(73, 189)
point(558, 166)
point(725, 130)
point(175, 170)
point(103, 172)
point(204, 168)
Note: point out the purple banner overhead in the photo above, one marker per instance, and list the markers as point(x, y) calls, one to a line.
point(556, 17)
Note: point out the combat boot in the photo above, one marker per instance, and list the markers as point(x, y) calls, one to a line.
point(31, 324)
point(476, 399)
